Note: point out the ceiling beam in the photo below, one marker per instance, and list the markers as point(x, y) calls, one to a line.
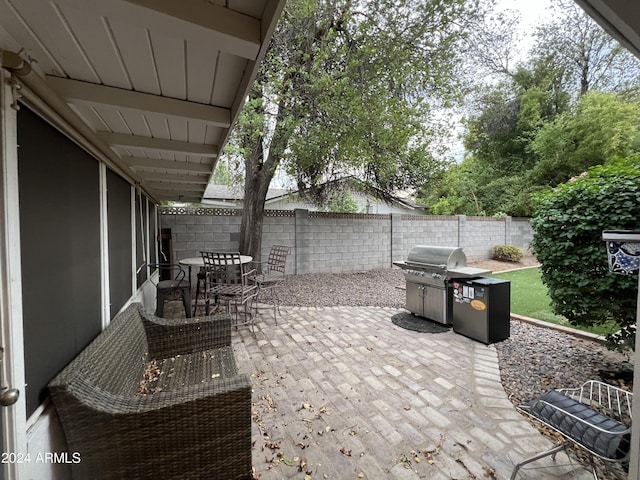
point(140, 162)
point(172, 188)
point(193, 20)
point(177, 197)
point(172, 177)
point(165, 145)
point(85, 93)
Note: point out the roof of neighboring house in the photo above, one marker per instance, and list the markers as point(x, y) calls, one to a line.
point(225, 194)
point(236, 193)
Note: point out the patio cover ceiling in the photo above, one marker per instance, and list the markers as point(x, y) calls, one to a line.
point(158, 83)
point(620, 18)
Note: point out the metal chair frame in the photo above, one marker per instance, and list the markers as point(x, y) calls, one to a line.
point(270, 274)
point(612, 403)
point(178, 284)
point(227, 281)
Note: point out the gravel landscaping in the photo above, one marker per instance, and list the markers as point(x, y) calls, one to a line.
point(532, 360)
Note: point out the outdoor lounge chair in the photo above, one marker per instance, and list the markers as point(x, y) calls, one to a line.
point(595, 416)
point(153, 398)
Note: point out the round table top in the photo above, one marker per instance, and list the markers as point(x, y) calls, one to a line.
point(198, 262)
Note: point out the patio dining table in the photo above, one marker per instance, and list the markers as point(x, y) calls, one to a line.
point(191, 262)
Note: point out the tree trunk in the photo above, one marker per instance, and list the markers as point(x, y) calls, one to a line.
point(256, 184)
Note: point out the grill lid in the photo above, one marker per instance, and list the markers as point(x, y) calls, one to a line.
point(443, 258)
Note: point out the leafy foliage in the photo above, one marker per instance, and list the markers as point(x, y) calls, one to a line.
point(349, 88)
point(342, 203)
point(604, 127)
point(571, 105)
point(568, 242)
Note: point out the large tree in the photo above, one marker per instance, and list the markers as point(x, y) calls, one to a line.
point(541, 121)
point(350, 87)
point(591, 57)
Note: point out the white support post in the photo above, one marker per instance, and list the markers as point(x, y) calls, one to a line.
point(14, 435)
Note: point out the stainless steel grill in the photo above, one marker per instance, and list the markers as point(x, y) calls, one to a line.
point(427, 271)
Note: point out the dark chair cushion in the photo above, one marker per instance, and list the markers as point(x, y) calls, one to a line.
point(610, 444)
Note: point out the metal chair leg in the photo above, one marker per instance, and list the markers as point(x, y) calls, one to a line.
point(538, 456)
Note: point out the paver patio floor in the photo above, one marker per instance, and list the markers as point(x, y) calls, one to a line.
point(343, 393)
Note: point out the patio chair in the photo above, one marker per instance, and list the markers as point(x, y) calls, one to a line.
point(270, 274)
point(175, 283)
point(595, 416)
point(228, 282)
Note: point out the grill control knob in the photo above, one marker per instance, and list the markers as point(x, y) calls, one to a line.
point(436, 276)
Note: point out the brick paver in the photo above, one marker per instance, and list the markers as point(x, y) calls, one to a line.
point(343, 393)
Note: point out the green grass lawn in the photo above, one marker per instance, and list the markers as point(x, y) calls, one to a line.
point(530, 298)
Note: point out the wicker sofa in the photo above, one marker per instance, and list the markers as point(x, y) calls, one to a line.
point(156, 398)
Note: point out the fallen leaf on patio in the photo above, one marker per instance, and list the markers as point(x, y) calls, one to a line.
point(361, 475)
point(306, 406)
point(491, 473)
point(302, 445)
point(353, 432)
point(407, 407)
point(345, 452)
point(215, 375)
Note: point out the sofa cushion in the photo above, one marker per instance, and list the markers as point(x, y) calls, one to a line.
point(552, 408)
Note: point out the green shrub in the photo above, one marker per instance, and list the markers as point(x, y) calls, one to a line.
point(507, 253)
point(567, 241)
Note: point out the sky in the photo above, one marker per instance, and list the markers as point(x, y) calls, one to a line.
point(532, 13)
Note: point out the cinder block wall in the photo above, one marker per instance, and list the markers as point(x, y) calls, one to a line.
point(333, 243)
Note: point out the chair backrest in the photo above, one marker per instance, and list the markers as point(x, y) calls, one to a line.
point(223, 267)
point(278, 258)
point(169, 271)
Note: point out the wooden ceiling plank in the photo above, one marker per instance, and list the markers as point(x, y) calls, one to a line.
point(167, 164)
point(236, 30)
point(201, 69)
point(95, 36)
point(229, 76)
point(175, 197)
point(169, 54)
point(192, 20)
point(179, 130)
point(175, 177)
point(47, 25)
point(124, 140)
point(89, 93)
point(186, 189)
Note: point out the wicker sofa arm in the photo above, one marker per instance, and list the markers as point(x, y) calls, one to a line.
point(200, 431)
point(168, 338)
point(100, 401)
